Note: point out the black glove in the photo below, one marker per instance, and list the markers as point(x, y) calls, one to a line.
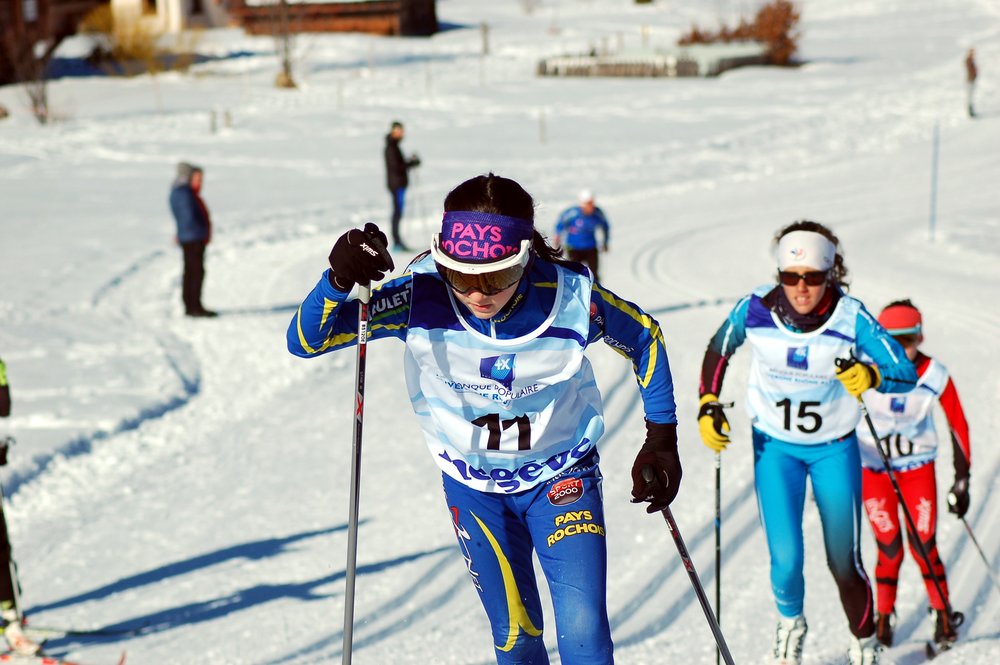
point(359, 257)
point(656, 472)
point(413, 162)
point(5, 443)
point(958, 497)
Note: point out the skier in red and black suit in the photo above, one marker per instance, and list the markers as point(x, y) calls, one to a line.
point(905, 424)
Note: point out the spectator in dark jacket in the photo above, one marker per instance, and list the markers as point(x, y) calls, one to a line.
point(396, 168)
point(194, 231)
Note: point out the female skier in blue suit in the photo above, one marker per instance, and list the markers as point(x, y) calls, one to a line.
point(804, 409)
point(495, 327)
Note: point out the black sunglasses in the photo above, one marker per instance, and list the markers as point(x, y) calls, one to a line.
point(812, 278)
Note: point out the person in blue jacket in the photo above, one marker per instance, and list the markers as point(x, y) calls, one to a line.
point(194, 232)
point(577, 230)
point(802, 398)
point(494, 326)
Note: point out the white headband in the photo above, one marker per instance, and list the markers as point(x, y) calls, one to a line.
point(807, 249)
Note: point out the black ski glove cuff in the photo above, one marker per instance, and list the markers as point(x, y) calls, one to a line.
point(961, 462)
point(359, 257)
point(656, 472)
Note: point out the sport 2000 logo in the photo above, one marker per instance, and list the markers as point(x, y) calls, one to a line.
point(565, 492)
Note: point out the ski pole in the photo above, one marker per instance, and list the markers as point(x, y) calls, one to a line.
point(718, 535)
point(720, 640)
point(979, 549)
point(364, 295)
point(718, 545)
point(955, 618)
point(15, 582)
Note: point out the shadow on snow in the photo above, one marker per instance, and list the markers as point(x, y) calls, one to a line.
point(208, 610)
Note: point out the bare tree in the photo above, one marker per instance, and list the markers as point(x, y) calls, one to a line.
point(285, 41)
point(29, 62)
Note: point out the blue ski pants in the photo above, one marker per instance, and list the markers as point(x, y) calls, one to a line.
point(398, 203)
point(834, 468)
point(562, 521)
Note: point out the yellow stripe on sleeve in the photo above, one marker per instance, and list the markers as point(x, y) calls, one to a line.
point(645, 379)
point(646, 321)
point(336, 340)
point(328, 307)
point(298, 328)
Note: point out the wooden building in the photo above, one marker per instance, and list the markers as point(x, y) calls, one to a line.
point(381, 17)
point(30, 28)
point(173, 16)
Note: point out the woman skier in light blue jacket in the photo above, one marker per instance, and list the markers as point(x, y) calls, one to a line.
point(803, 405)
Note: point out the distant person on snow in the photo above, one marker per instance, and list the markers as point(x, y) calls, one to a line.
point(397, 179)
point(971, 72)
point(803, 409)
point(10, 611)
point(577, 229)
point(495, 326)
point(194, 232)
point(905, 424)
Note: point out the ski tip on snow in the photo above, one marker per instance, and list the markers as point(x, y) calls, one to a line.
point(18, 659)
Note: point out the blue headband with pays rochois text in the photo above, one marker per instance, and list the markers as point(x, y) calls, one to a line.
point(482, 237)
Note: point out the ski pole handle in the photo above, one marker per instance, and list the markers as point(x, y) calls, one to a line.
point(648, 475)
point(651, 483)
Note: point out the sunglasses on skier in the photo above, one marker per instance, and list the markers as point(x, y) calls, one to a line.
point(487, 283)
point(812, 278)
point(488, 278)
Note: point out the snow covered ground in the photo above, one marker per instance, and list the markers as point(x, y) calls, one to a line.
point(189, 478)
